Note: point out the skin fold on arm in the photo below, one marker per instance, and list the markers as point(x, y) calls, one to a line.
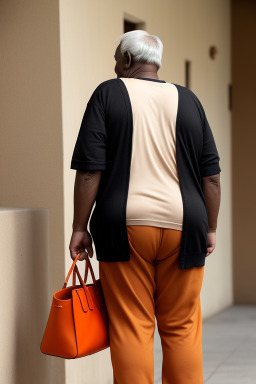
point(212, 192)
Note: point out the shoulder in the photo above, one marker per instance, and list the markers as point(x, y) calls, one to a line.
point(187, 92)
point(190, 99)
point(104, 85)
point(102, 91)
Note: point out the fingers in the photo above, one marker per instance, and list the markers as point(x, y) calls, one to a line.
point(211, 242)
point(83, 253)
point(80, 243)
point(87, 252)
point(209, 250)
point(90, 250)
point(74, 254)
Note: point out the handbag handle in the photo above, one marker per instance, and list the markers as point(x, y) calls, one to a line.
point(70, 271)
point(97, 294)
point(87, 265)
point(86, 290)
point(95, 286)
point(74, 268)
point(85, 274)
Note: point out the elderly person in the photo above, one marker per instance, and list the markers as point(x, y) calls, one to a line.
point(146, 154)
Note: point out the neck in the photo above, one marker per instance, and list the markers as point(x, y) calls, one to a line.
point(150, 75)
point(147, 70)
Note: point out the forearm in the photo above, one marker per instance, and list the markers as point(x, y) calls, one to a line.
point(212, 193)
point(85, 192)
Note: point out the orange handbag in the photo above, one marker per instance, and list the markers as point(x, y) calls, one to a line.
point(78, 321)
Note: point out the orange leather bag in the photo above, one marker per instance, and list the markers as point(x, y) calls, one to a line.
point(78, 321)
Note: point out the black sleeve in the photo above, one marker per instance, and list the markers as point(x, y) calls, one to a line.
point(209, 161)
point(90, 148)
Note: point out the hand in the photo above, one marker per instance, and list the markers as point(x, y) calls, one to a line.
point(79, 241)
point(211, 242)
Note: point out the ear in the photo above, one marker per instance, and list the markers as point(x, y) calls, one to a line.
point(127, 59)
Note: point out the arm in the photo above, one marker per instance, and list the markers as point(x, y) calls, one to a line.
point(89, 160)
point(212, 193)
point(210, 177)
point(85, 192)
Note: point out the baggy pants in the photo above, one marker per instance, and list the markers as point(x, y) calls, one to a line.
point(150, 286)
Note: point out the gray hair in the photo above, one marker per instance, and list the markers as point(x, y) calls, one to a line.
point(143, 46)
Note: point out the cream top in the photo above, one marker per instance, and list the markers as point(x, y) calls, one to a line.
point(154, 196)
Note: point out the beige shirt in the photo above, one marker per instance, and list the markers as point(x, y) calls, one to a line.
point(154, 196)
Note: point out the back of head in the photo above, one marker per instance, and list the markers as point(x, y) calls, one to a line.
point(142, 46)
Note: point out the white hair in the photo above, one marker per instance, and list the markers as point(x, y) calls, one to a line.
point(143, 46)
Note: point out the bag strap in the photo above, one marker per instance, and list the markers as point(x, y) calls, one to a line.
point(75, 270)
point(70, 271)
point(95, 286)
point(87, 266)
point(86, 290)
point(85, 274)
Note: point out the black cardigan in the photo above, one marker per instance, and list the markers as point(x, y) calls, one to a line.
point(104, 143)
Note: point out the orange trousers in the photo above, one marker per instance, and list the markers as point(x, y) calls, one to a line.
point(150, 286)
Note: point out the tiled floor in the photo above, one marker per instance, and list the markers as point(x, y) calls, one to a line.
point(229, 347)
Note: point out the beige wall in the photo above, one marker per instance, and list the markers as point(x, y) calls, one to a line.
point(31, 150)
point(244, 136)
point(55, 56)
point(25, 295)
